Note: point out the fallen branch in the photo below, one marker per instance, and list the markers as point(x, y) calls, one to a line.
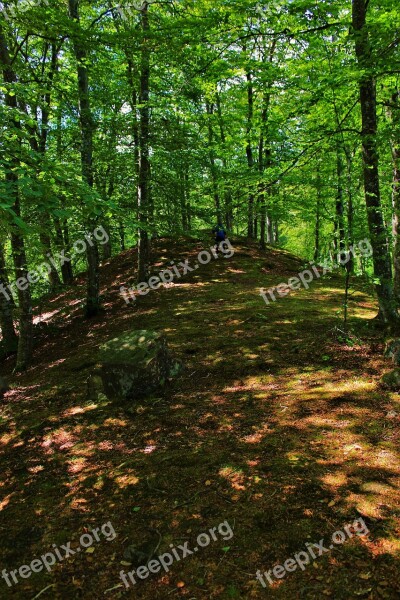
point(44, 590)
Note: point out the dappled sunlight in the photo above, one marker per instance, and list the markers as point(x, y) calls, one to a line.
point(126, 480)
point(5, 501)
point(79, 410)
point(44, 317)
point(59, 440)
point(234, 476)
point(258, 435)
point(273, 425)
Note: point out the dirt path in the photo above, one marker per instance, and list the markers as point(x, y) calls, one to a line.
point(274, 428)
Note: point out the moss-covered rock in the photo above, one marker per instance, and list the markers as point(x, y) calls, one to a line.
point(391, 380)
point(133, 365)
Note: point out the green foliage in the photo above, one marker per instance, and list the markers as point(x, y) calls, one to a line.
point(298, 59)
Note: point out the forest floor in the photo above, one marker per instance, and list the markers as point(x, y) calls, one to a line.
point(275, 427)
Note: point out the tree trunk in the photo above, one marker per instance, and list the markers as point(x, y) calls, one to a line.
point(382, 265)
point(317, 248)
point(276, 232)
point(144, 165)
point(395, 146)
point(213, 169)
point(45, 239)
point(61, 229)
point(25, 343)
point(10, 339)
point(227, 191)
point(249, 152)
point(62, 239)
point(182, 195)
point(121, 230)
point(87, 126)
point(187, 195)
point(339, 206)
point(350, 209)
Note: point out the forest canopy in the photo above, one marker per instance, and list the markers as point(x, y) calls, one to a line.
point(163, 117)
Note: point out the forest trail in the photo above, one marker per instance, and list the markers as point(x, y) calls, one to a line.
point(274, 426)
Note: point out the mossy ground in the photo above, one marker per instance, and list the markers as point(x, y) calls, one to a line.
point(274, 426)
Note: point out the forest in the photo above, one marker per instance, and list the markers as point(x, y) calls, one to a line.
point(199, 299)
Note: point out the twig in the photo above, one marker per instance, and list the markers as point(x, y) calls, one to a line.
point(245, 321)
point(45, 589)
point(113, 588)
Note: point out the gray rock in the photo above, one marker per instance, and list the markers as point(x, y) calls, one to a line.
point(134, 365)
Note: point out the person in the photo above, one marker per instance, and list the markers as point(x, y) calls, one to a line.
point(220, 236)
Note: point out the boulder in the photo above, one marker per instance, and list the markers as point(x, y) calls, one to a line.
point(134, 365)
point(391, 380)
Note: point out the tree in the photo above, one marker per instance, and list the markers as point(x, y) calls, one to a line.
point(382, 266)
point(87, 127)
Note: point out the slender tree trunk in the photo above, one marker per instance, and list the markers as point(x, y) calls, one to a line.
point(264, 161)
point(144, 167)
point(45, 239)
point(10, 339)
point(276, 232)
point(213, 168)
point(249, 151)
point(270, 230)
point(340, 231)
point(61, 228)
point(382, 265)
point(265, 153)
point(182, 197)
point(395, 147)
point(187, 195)
point(121, 230)
point(135, 127)
point(61, 243)
point(261, 195)
point(87, 126)
point(227, 191)
point(350, 208)
point(107, 246)
point(317, 249)
point(25, 343)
